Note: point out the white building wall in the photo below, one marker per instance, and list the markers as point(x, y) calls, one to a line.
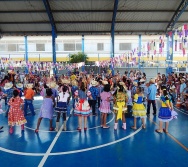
point(89, 41)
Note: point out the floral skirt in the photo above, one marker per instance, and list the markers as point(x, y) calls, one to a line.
point(16, 117)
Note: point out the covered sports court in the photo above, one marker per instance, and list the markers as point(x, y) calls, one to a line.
point(95, 147)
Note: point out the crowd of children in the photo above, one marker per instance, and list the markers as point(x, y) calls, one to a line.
point(130, 93)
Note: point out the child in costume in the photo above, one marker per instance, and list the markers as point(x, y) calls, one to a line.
point(46, 110)
point(82, 108)
point(62, 101)
point(105, 104)
point(16, 114)
point(120, 107)
point(138, 108)
point(165, 112)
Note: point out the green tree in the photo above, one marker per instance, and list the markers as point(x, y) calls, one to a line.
point(78, 57)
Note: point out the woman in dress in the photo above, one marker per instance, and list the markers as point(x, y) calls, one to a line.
point(82, 108)
point(165, 114)
point(139, 111)
point(46, 110)
point(120, 107)
point(15, 114)
point(105, 97)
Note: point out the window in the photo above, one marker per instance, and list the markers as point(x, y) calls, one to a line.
point(21, 47)
point(78, 46)
point(3, 48)
point(59, 47)
point(40, 47)
point(100, 46)
point(31, 47)
point(11, 47)
point(125, 46)
point(69, 47)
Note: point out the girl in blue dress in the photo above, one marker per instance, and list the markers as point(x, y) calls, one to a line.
point(165, 114)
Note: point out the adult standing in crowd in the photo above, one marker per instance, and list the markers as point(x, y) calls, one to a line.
point(152, 90)
point(93, 98)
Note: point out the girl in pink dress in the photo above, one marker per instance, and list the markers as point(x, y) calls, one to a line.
point(105, 105)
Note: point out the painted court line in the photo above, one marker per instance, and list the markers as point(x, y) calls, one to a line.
point(46, 131)
point(180, 111)
point(171, 136)
point(182, 145)
point(70, 152)
point(41, 164)
point(52, 144)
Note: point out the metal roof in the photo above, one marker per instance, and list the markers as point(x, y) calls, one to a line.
point(29, 17)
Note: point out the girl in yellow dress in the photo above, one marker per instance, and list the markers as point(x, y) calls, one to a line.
point(138, 108)
point(120, 107)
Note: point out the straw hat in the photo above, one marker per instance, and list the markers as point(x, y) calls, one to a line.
point(94, 83)
point(8, 85)
point(74, 83)
point(123, 84)
point(29, 86)
point(65, 81)
point(135, 83)
point(52, 85)
point(19, 85)
point(142, 80)
point(105, 82)
point(152, 80)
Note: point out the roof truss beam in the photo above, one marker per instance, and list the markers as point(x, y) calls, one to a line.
point(181, 8)
point(83, 11)
point(50, 15)
point(83, 32)
point(88, 22)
